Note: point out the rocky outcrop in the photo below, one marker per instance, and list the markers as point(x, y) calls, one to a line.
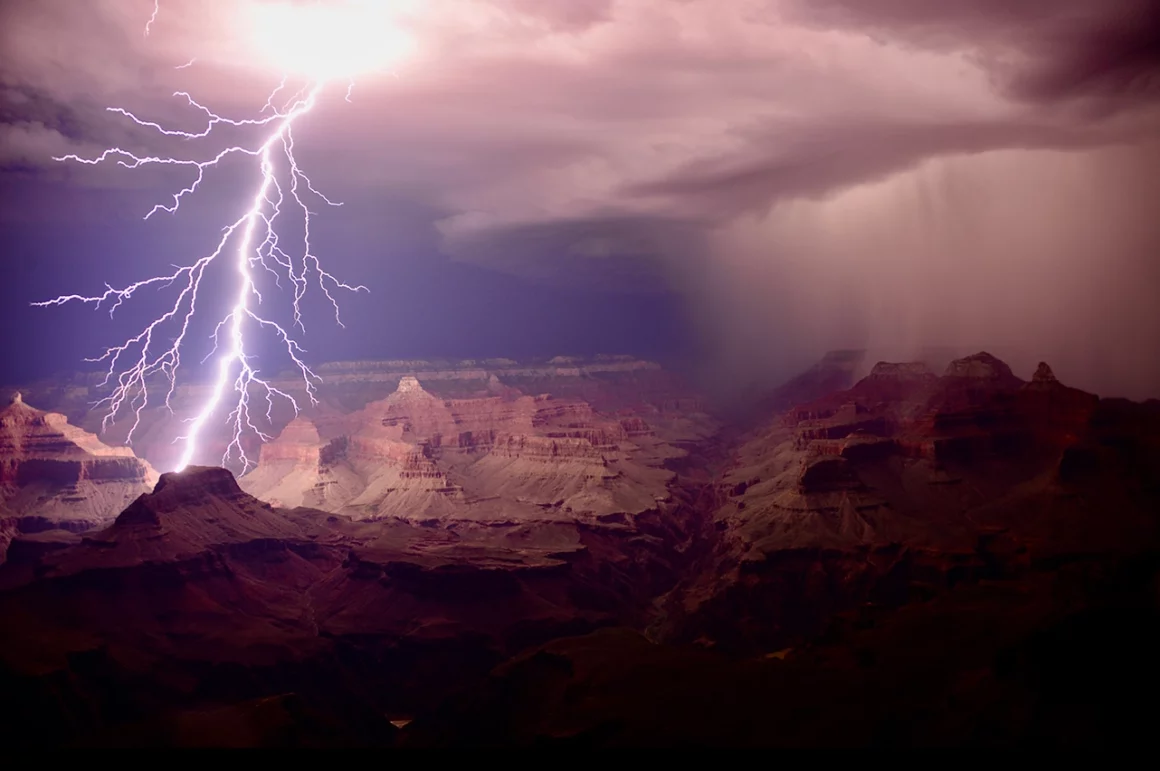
point(298, 444)
point(982, 366)
point(415, 455)
point(54, 475)
point(978, 407)
point(1043, 374)
point(548, 449)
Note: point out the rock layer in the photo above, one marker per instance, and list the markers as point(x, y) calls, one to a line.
point(509, 456)
point(55, 476)
point(907, 477)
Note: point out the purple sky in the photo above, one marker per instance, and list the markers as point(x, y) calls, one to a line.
point(750, 181)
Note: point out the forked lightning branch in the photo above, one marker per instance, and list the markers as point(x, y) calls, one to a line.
point(249, 246)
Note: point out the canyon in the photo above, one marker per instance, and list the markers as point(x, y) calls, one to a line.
point(578, 553)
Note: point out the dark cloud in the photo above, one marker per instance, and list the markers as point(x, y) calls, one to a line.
point(811, 161)
point(1117, 57)
point(615, 254)
point(1042, 51)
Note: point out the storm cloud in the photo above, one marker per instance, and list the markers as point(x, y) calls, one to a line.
point(804, 174)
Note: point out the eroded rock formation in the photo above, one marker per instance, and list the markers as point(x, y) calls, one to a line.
point(415, 455)
point(54, 476)
point(906, 474)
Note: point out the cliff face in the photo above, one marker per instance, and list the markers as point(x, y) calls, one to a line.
point(415, 455)
point(909, 478)
point(56, 476)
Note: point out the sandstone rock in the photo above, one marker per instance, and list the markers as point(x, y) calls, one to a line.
point(54, 475)
point(981, 366)
point(418, 456)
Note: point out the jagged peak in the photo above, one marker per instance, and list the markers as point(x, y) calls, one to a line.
point(300, 429)
point(981, 366)
point(17, 407)
point(1043, 374)
point(409, 385)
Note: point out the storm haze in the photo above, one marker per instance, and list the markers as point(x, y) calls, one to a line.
point(1036, 255)
point(743, 183)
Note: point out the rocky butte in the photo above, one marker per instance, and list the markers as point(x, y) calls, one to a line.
point(56, 477)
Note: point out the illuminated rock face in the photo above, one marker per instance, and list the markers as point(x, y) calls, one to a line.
point(55, 476)
point(415, 455)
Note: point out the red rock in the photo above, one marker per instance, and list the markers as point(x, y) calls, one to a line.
point(415, 455)
point(54, 475)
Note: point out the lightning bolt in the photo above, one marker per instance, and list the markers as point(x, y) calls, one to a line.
point(152, 16)
point(149, 354)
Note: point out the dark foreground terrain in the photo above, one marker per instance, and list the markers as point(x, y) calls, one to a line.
point(915, 558)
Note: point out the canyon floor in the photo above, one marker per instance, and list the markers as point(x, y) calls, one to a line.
point(585, 553)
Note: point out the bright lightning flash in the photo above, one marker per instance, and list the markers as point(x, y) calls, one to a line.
point(281, 187)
